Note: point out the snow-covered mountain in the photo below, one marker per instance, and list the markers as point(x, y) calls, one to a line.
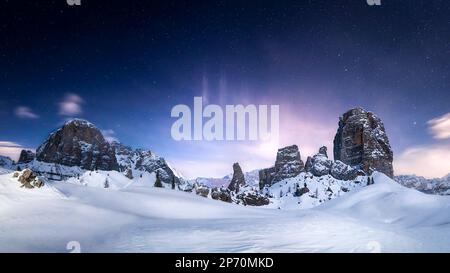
point(439, 186)
point(79, 147)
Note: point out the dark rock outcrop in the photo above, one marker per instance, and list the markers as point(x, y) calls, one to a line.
point(202, 191)
point(253, 199)
point(78, 143)
point(287, 165)
point(221, 194)
point(323, 150)
point(361, 141)
point(238, 179)
point(26, 156)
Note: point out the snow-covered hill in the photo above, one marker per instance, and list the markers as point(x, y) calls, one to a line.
point(383, 217)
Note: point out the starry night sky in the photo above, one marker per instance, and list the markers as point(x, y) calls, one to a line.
point(124, 64)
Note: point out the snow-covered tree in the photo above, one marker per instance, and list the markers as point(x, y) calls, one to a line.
point(158, 183)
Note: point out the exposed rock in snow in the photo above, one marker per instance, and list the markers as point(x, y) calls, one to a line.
point(29, 179)
point(78, 143)
point(342, 171)
point(238, 179)
point(361, 141)
point(288, 164)
point(221, 194)
point(26, 156)
point(323, 150)
point(319, 165)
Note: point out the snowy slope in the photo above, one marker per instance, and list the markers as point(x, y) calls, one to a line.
point(135, 218)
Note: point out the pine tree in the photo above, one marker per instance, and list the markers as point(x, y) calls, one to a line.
point(106, 184)
point(173, 182)
point(18, 169)
point(158, 183)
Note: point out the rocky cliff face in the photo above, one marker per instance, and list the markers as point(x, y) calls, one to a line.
point(361, 142)
point(78, 143)
point(26, 156)
point(238, 179)
point(144, 161)
point(288, 164)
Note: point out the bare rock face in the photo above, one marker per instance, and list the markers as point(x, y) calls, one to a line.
point(361, 142)
point(288, 164)
point(26, 156)
point(78, 143)
point(238, 179)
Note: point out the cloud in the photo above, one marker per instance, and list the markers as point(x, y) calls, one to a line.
point(10, 149)
point(440, 127)
point(71, 105)
point(110, 135)
point(25, 113)
point(431, 161)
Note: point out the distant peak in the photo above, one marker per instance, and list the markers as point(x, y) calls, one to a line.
point(79, 122)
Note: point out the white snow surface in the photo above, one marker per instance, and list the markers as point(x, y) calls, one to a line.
point(133, 216)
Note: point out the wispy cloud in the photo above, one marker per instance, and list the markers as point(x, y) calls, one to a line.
point(71, 105)
point(109, 135)
point(440, 127)
point(430, 161)
point(25, 113)
point(10, 149)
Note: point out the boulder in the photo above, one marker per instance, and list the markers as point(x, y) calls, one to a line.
point(29, 179)
point(361, 142)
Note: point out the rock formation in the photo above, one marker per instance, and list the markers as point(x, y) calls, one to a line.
point(28, 179)
point(361, 142)
point(288, 164)
point(238, 179)
point(26, 156)
point(320, 165)
point(145, 161)
point(78, 143)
